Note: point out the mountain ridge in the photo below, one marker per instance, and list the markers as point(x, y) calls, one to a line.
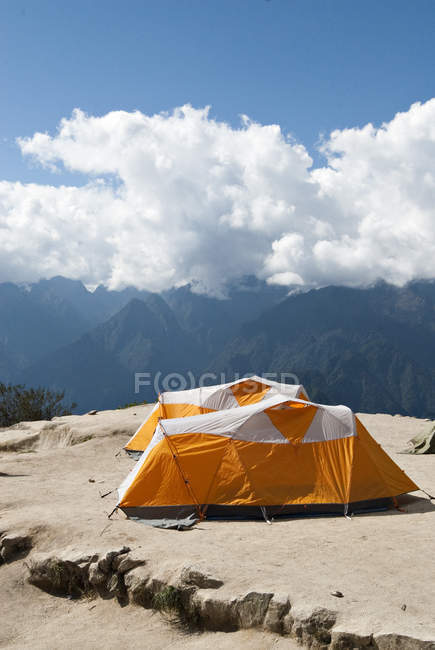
point(98, 369)
point(341, 332)
point(372, 348)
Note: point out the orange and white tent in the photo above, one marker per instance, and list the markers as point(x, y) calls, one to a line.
point(207, 399)
point(280, 455)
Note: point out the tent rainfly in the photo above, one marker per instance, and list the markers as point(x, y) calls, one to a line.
point(279, 456)
point(207, 399)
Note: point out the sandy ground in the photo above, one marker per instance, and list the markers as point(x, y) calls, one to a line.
point(380, 561)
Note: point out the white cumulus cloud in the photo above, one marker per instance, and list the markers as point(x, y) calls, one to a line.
point(179, 197)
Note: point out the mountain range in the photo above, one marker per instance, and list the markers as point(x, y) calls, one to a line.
point(371, 348)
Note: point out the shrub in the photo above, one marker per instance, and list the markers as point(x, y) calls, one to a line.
point(18, 404)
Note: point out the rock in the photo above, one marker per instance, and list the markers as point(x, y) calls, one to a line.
point(58, 576)
point(92, 413)
point(215, 612)
point(105, 563)
point(97, 577)
point(73, 572)
point(393, 641)
point(123, 574)
point(16, 440)
point(252, 608)
point(221, 613)
point(136, 583)
point(125, 562)
point(199, 577)
point(228, 614)
point(76, 556)
point(115, 586)
point(337, 594)
point(287, 623)
point(13, 546)
point(343, 639)
point(279, 607)
point(315, 627)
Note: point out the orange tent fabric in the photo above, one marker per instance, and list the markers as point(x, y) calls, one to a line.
point(207, 399)
point(280, 455)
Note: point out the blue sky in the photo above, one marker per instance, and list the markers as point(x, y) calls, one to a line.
point(309, 66)
point(155, 200)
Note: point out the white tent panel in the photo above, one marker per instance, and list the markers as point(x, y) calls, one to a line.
point(331, 423)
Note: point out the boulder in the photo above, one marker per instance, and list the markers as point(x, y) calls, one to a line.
point(252, 608)
point(127, 561)
point(343, 638)
point(279, 607)
point(13, 546)
point(197, 576)
point(393, 641)
point(59, 576)
point(105, 562)
point(214, 611)
point(136, 582)
point(97, 577)
point(313, 628)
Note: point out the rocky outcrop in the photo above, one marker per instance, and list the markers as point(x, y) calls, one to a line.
point(14, 546)
point(276, 616)
point(199, 577)
point(395, 641)
point(312, 628)
point(194, 595)
point(70, 430)
point(351, 636)
point(220, 612)
point(74, 574)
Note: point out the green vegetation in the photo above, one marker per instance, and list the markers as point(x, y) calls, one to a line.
point(167, 600)
point(18, 404)
point(127, 406)
point(174, 605)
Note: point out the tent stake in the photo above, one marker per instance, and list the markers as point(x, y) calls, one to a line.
point(114, 510)
point(264, 513)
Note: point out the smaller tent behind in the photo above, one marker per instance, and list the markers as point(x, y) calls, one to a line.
point(277, 456)
point(206, 399)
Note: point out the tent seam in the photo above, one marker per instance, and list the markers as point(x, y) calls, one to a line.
point(186, 482)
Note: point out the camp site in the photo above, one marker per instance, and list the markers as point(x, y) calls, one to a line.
point(217, 325)
point(243, 512)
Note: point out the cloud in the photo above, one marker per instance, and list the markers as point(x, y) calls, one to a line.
point(179, 197)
